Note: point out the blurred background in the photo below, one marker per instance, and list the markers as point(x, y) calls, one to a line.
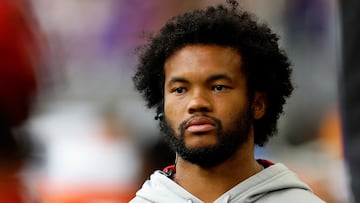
point(85, 135)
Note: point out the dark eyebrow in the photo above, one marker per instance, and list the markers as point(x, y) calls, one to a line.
point(208, 80)
point(176, 79)
point(219, 77)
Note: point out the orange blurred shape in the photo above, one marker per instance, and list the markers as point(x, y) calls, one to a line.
point(330, 133)
point(10, 189)
point(86, 193)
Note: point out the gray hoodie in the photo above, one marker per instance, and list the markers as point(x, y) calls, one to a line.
point(275, 184)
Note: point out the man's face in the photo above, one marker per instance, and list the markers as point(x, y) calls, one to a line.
point(207, 112)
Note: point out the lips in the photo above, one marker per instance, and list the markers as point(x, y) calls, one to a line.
point(200, 125)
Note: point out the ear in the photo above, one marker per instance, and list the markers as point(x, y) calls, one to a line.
point(259, 105)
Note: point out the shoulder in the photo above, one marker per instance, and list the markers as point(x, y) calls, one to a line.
point(296, 195)
point(140, 200)
point(161, 189)
point(279, 184)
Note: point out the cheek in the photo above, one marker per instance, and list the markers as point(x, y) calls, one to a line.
point(230, 110)
point(168, 108)
point(229, 106)
point(228, 120)
point(173, 113)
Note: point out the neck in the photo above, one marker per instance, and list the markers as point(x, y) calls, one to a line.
point(210, 183)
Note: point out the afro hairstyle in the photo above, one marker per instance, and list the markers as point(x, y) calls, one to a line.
point(265, 65)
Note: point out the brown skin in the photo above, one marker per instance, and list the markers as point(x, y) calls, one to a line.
point(207, 79)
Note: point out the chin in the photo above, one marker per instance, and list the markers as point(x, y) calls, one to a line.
point(200, 143)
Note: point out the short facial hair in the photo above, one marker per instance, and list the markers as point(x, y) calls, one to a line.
point(228, 141)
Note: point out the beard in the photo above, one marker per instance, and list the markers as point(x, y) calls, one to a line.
point(228, 141)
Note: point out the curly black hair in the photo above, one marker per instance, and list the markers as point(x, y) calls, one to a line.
point(265, 65)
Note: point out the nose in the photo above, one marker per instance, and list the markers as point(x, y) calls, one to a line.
point(199, 102)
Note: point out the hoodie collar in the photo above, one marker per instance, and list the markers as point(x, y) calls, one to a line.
point(160, 188)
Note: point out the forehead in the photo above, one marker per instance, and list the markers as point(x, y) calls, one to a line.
point(203, 59)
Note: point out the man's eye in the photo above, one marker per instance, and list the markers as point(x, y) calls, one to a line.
point(179, 90)
point(219, 88)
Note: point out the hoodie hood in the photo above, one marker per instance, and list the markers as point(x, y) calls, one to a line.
point(273, 184)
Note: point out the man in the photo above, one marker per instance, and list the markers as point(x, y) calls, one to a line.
point(218, 81)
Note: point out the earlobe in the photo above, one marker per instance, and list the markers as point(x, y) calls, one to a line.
point(259, 105)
